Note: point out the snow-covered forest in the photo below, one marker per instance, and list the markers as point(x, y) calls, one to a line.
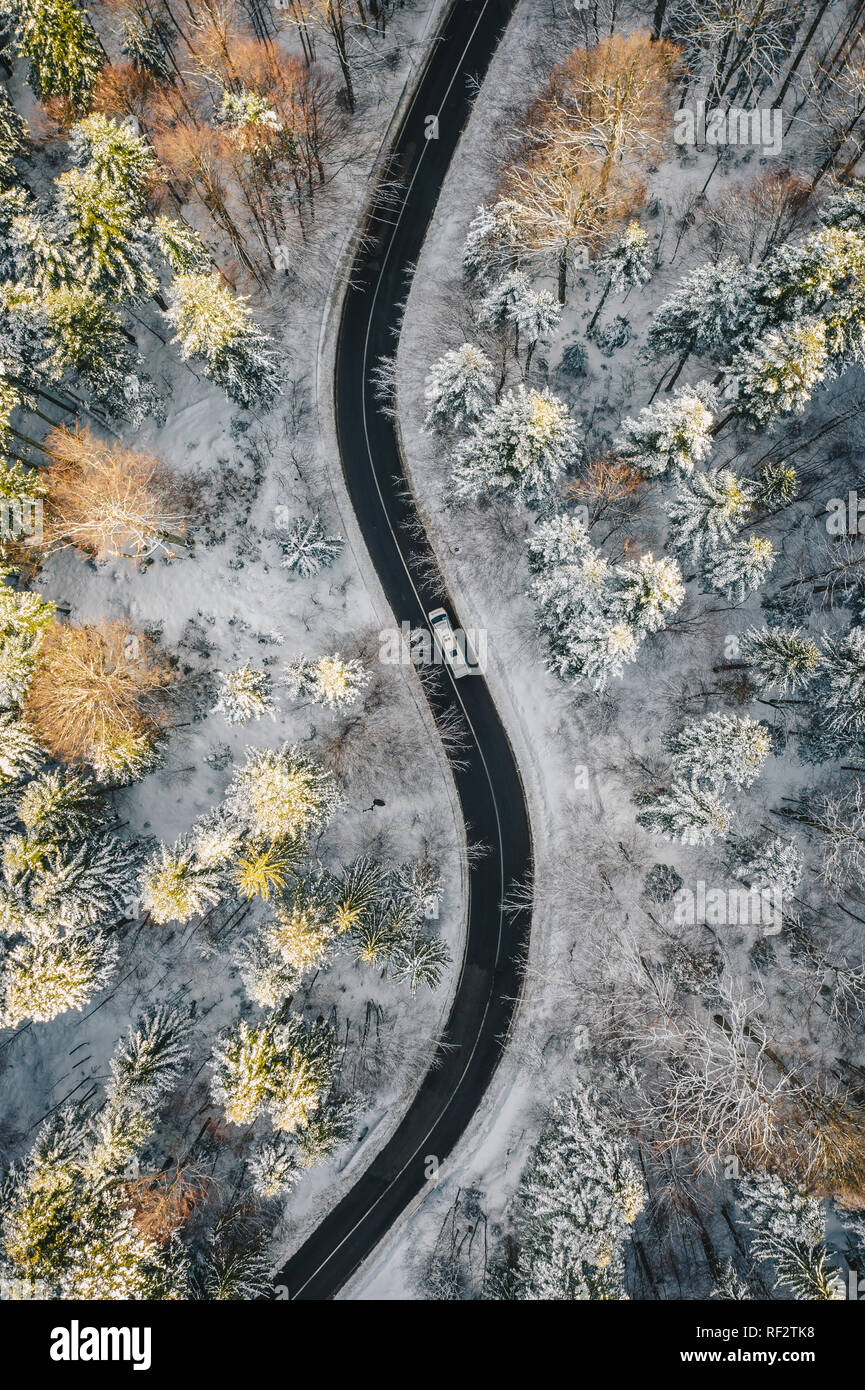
point(630, 380)
point(231, 865)
point(233, 874)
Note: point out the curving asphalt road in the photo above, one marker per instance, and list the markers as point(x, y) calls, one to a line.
point(489, 788)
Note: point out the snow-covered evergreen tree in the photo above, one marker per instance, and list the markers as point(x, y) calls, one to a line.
point(708, 510)
point(789, 1229)
point(103, 231)
point(67, 1226)
point(24, 617)
point(420, 959)
point(627, 260)
point(778, 658)
point(740, 568)
point(711, 313)
point(217, 326)
point(307, 549)
point(595, 614)
point(244, 694)
point(12, 138)
point(845, 207)
point(459, 388)
point(180, 246)
point(676, 433)
point(53, 970)
point(778, 375)
point(58, 42)
point(148, 1063)
point(775, 865)
point(578, 1196)
point(719, 749)
point(513, 303)
point(335, 681)
point(273, 1167)
point(521, 449)
point(836, 698)
point(685, 811)
point(648, 591)
point(282, 794)
point(284, 1070)
point(495, 239)
point(182, 881)
point(115, 155)
point(20, 754)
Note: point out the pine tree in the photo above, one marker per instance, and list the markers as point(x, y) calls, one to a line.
point(215, 325)
point(273, 1168)
point(20, 753)
point(779, 374)
point(730, 1286)
point(266, 868)
point(776, 487)
point(59, 806)
point(114, 155)
point(513, 303)
point(837, 696)
point(103, 231)
point(282, 1069)
point(578, 1197)
point(282, 794)
point(420, 959)
point(148, 1063)
point(845, 208)
point(67, 1228)
point(81, 332)
point(626, 261)
point(43, 260)
point(670, 434)
point(719, 749)
point(12, 138)
point(244, 694)
point(710, 314)
point(495, 240)
point(356, 893)
point(58, 41)
point(179, 882)
point(24, 618)
point(267, 979)
point(180, 246)
point(331, 680)
point(775, 865)
point(687, 812)
point(307, 549)
point(588, 636)
point(789, 1229)
point(649, 590)
point(303, 934)
point(521, 449)
point(48, 973)
point(235, 1265)
point(708, 510)
point(147, 43)
point(781, 659)
point(329, 1127)
point(740, 568)
point(459, 389)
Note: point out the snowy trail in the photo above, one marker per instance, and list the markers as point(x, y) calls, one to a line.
point(488, 781)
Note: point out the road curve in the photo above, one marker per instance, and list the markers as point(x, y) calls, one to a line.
point(489, 787)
